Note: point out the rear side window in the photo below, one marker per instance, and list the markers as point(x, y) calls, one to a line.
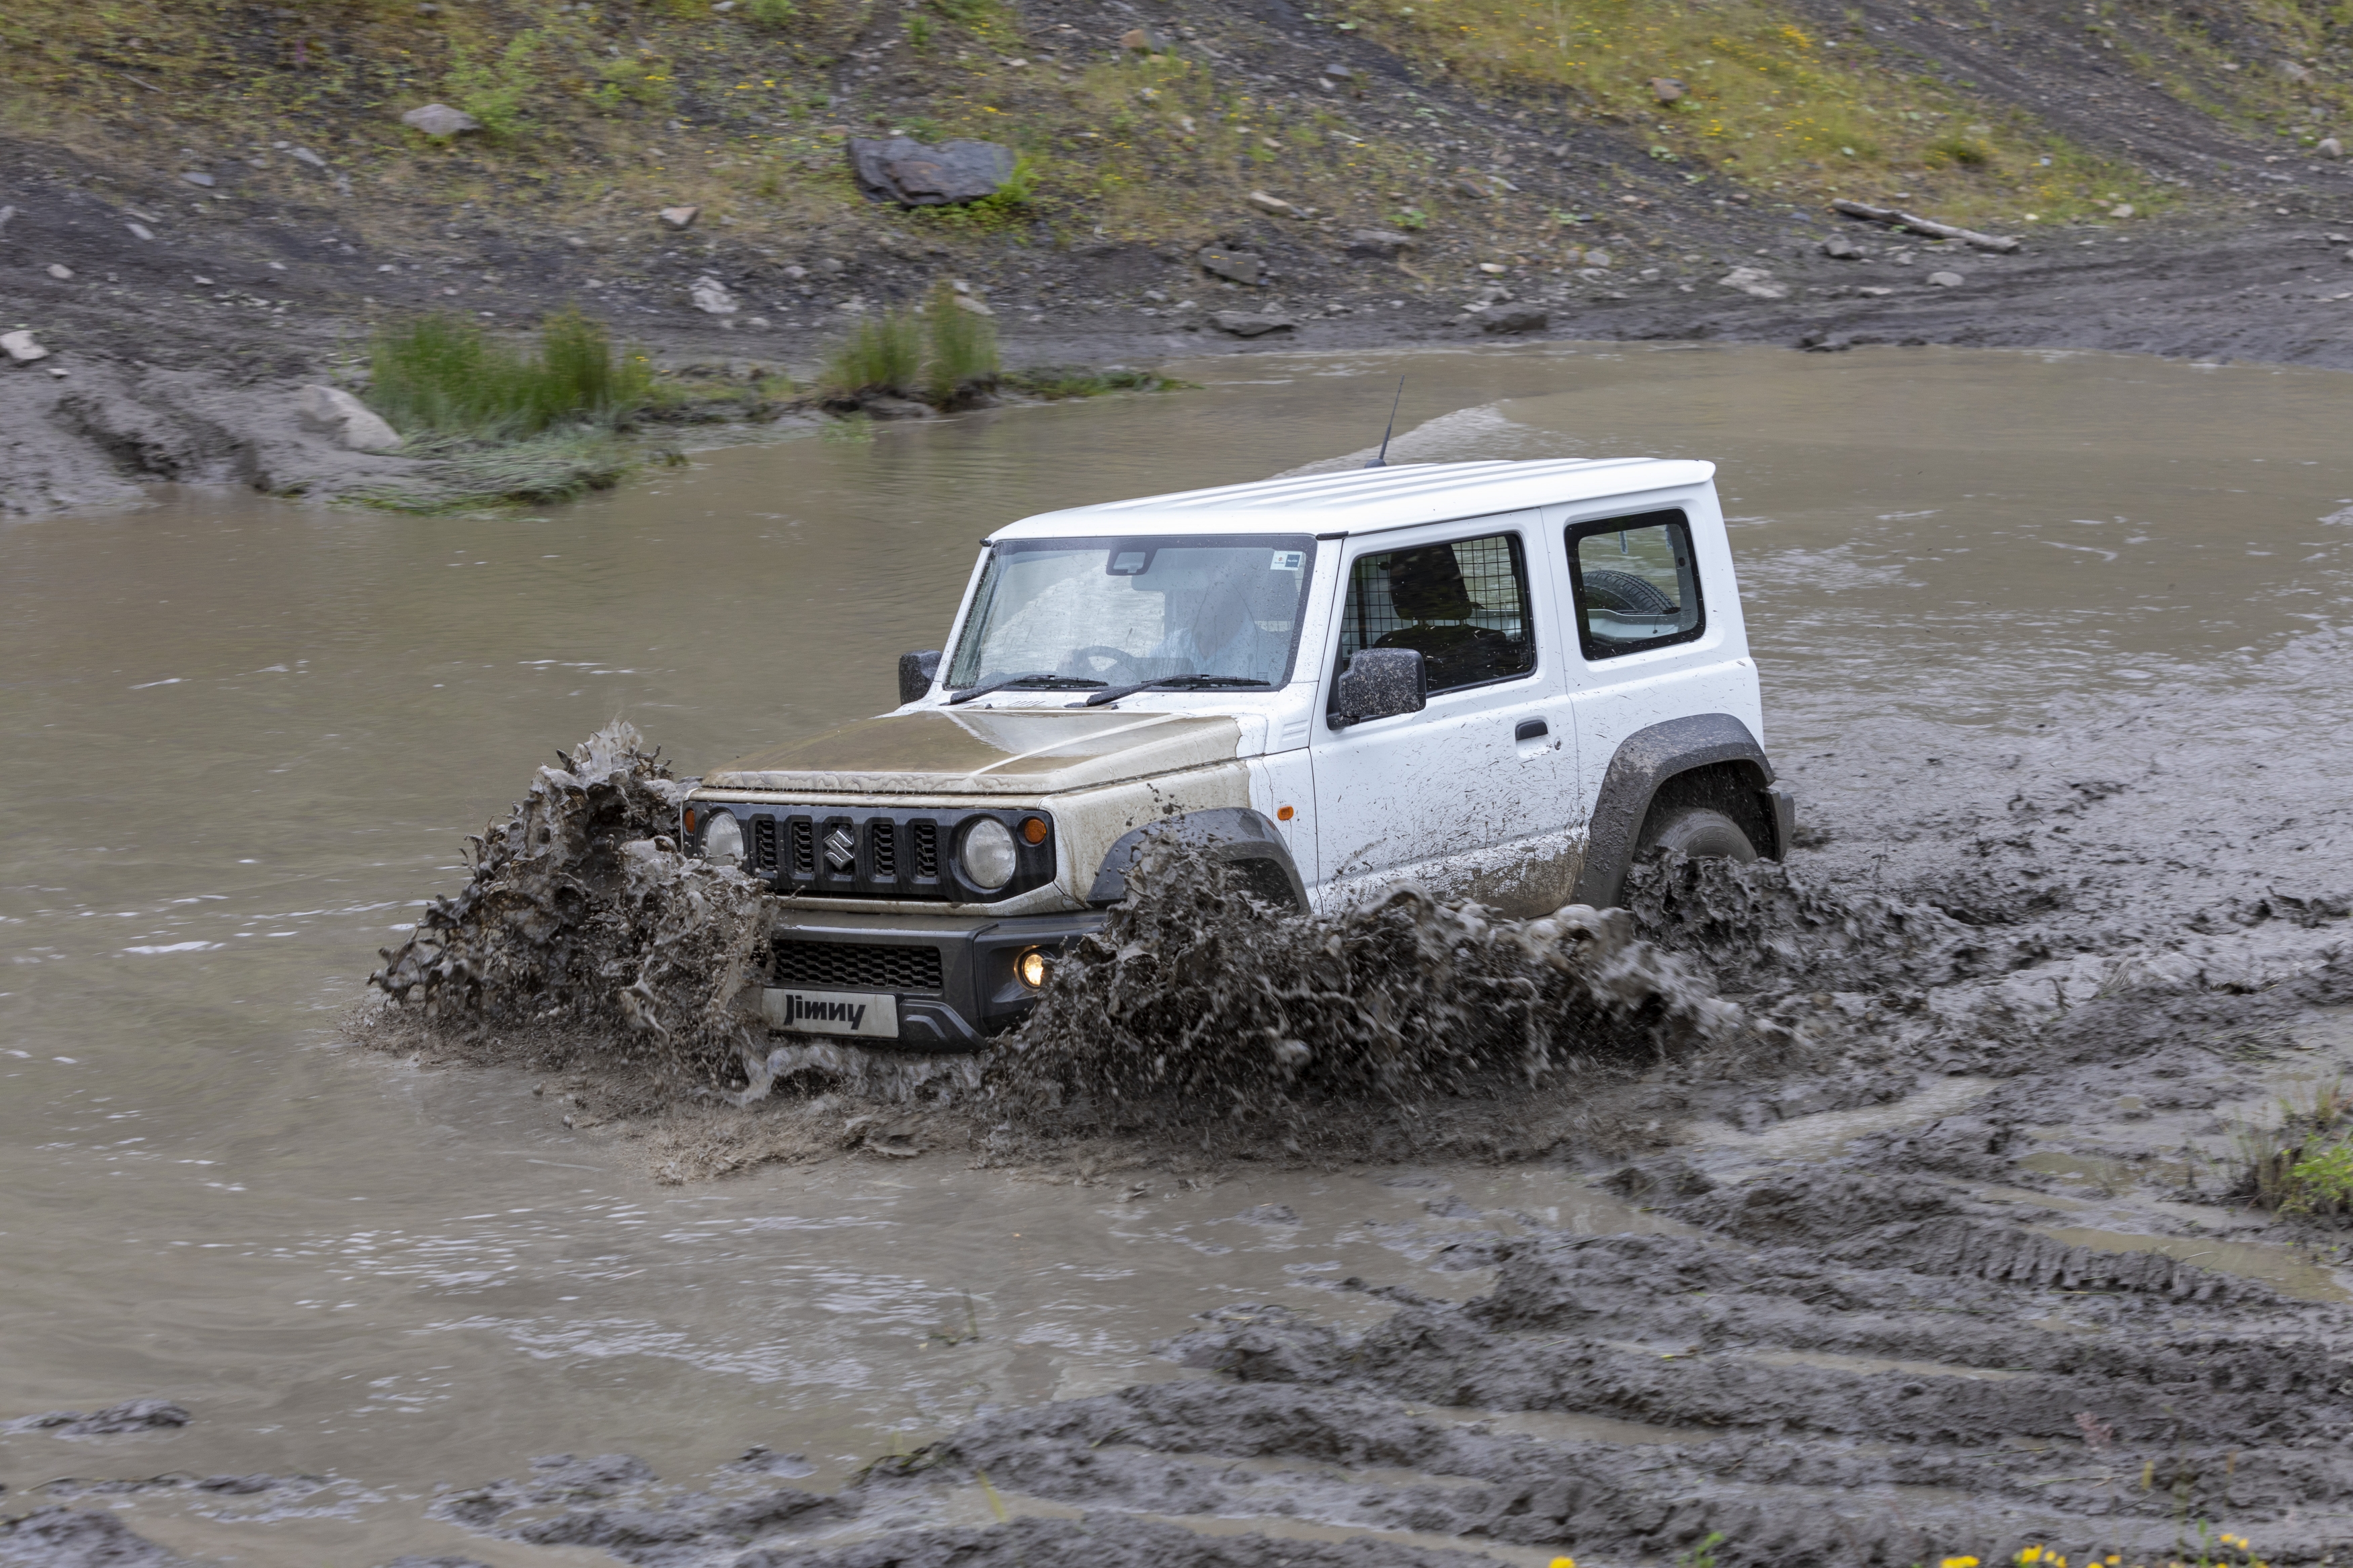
point(1635, 585)
point(1463, 606)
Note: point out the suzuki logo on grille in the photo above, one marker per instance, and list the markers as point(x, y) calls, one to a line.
point(841, 849)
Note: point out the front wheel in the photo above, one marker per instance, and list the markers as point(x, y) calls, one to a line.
point(1699, 833)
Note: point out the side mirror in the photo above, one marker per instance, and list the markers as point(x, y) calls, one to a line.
point(916, 673)
point(1381, 683)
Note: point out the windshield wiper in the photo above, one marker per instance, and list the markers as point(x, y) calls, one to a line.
point(1168, 682)
point(1034, 677)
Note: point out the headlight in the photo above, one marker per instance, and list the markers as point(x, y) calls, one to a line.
point(1033, 968)
point(722, 839)
point(988, 854)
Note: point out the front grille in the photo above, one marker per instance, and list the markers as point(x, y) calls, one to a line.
point(804, 837)
point(927, 848)
point(763, 843)
point(884, 835)
point(844, 966)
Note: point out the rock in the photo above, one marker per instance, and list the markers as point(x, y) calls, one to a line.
point(2293, 71)
point(1668, 90)
point(304, 155)
point(1520, 319)
point(440, 120)
point(679, 218)
point(1382, 244)
point(1947, 280)
point(1755, 282)
point(1273, 203)
point(896, 408)
point(2122, 209)
point(903, 170)
point(140, 231)
point(1143, 40)
point(195, 177)
point(62, 274)
point(1237, 266)
point(971, 306)
point(2331, 147)
point(1839, 247)
point(354, 424)
point(1597, 259)
point(711, 297)
point(1243, 325)
point(1493, 268)
point(130, 1415)
point(81, 1537)
point(20, 347)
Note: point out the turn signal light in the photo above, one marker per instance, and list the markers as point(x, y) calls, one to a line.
point(1033, 830)
point(689, 819)
point(1033, 965)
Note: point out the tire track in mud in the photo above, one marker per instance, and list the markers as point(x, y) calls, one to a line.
point(1881, 1349)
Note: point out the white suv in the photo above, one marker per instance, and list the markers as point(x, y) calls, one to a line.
point(1502, 680)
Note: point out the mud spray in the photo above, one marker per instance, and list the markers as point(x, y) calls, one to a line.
point(1893, 1320)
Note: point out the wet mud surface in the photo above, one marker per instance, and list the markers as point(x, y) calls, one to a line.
point(1883, 1206)
point(1939, 1115)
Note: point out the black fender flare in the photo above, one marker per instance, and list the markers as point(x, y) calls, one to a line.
point(1233, 835)
point(1647, 759)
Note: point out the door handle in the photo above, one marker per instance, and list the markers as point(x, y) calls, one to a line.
point(1531, 729)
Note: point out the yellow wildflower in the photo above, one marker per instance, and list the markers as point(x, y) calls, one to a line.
point(2030, 1554)
point(1564, 1562)
point(1958, 1562)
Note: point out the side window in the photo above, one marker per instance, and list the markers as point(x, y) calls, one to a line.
point(1635, 583)
point(1463, 606)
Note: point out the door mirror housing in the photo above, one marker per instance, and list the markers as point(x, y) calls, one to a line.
point(916, 673)
point(1380, 683)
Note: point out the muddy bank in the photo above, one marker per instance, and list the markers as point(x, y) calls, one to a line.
point(180, 361)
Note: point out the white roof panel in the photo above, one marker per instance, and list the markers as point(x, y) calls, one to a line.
point(1364, 500)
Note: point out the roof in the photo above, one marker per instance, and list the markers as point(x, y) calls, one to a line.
point(1364, 500)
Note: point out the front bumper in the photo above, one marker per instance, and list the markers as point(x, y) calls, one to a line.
point(953, 976)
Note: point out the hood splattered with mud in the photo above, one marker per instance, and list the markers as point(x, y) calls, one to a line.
point(1008, 751)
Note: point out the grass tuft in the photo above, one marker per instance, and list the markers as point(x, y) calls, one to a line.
point(1055, 381)
point(444, 373)
point(2304, 1166)
point(882, 357)
point(963, 361)
point(558, 466)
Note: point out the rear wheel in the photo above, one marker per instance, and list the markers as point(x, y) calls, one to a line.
point(1698, 832)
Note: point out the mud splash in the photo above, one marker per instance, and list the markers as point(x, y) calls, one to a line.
point(1198, 1004)
point(582, 923)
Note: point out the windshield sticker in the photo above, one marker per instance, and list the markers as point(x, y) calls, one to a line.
point(1288, 561)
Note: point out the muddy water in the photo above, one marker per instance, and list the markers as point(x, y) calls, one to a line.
point(248, 737)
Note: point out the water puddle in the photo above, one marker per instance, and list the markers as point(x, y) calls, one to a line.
point(1825, 1133)
point(2281, 1268)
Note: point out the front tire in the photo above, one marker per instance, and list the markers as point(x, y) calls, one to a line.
point(1697, 832)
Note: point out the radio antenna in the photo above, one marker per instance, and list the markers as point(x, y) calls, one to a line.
point(1381, 459)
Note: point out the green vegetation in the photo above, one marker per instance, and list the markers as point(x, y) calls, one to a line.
point(771, 13)
point(938, 350)
point(446, 373)
point(1752, 94)
point(494, 90)
point(962, 361)
point(882, 355)
point(2304, 1166)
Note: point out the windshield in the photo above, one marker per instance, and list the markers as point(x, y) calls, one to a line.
point(1171, 611)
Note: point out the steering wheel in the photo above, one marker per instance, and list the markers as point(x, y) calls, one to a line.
point(1075, 663)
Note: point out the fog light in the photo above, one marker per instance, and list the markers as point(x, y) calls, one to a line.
point(1033, 966)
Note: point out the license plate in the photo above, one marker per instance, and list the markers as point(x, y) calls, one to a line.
point(831, 1012)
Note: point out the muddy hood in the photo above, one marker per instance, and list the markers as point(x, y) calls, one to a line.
point(1020, 750)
